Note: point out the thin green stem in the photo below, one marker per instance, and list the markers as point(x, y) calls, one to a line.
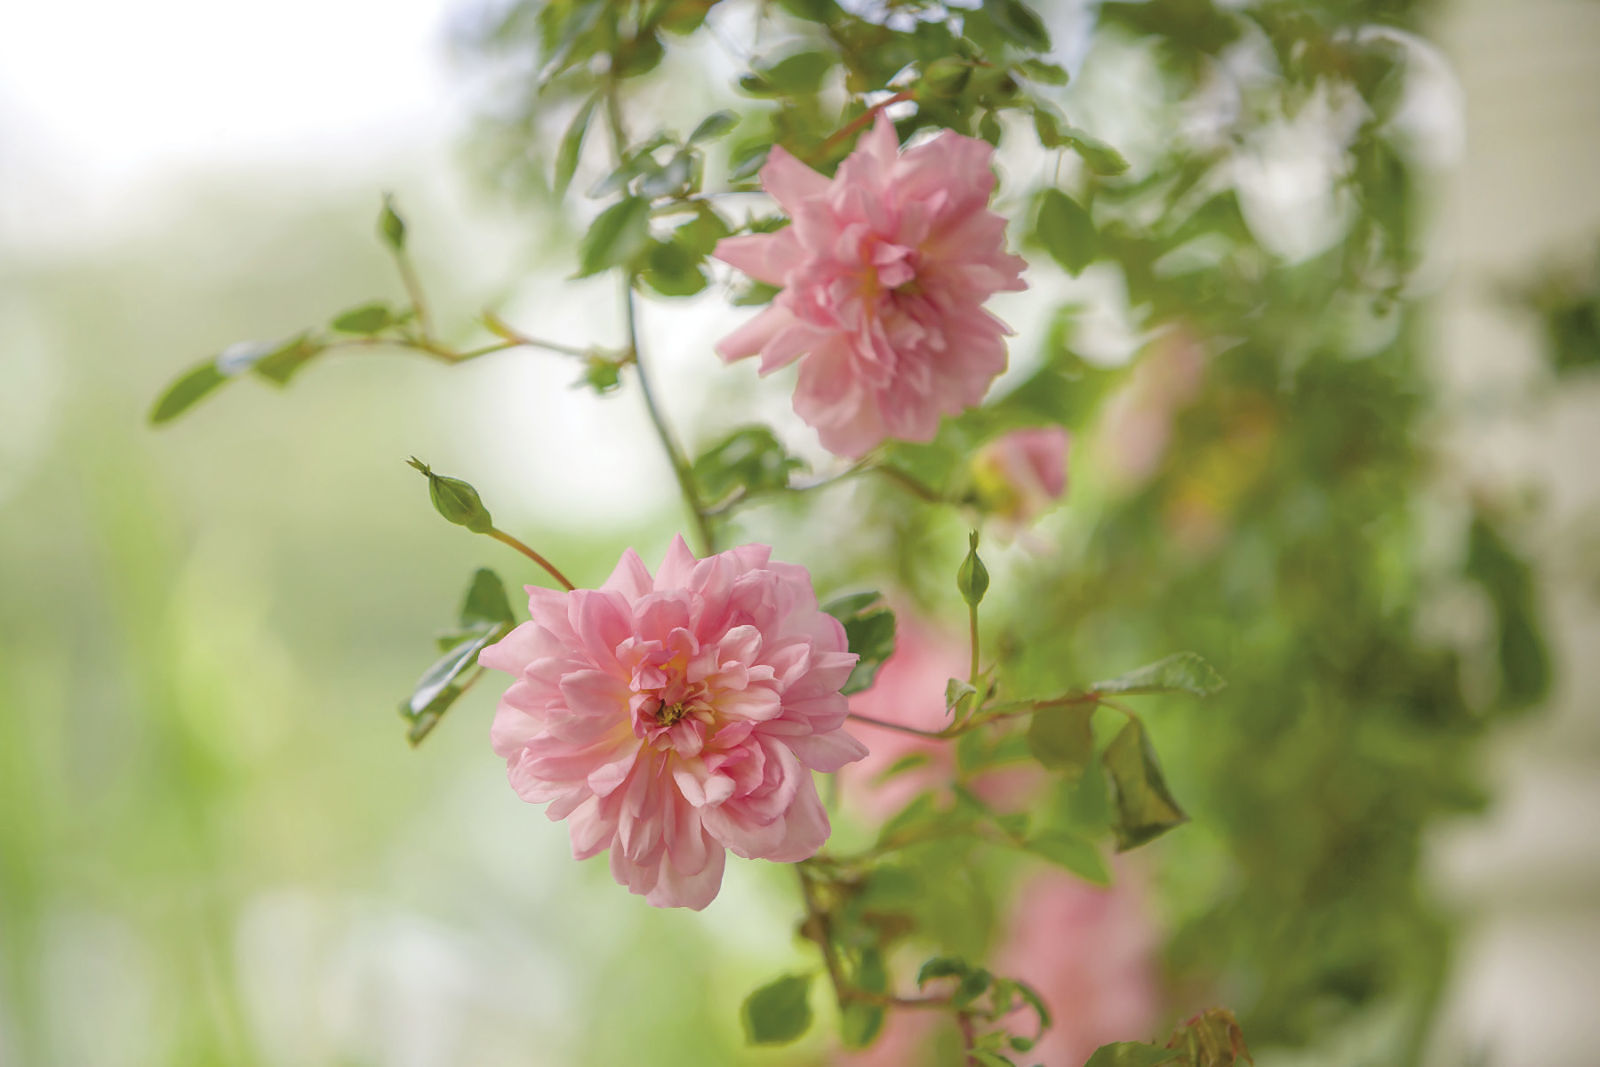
point(669, 443)
point(972, 628)
point(817, 920)
point(550, 568)
point(413, 284)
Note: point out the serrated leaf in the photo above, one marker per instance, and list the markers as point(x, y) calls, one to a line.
point(571, 148)
point(1077, 854)
point(1062, 739)
point(367, 319)
point(1144, 809)
point(779, 1012)
point(620, 233)
point(1181, 672)
point(870, 629)
point(1066, 231)
point(1131, 1054)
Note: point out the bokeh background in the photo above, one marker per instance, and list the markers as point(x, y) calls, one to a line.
point(216, 846)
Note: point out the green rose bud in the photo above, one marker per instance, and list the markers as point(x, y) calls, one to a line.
point(455, 499)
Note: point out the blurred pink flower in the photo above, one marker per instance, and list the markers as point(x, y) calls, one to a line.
point(884, 269)
point(1137, 424)
point(1020, 474)
point(1092, 955)
point(673, 717)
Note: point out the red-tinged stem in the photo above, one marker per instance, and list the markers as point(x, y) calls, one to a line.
point(859, 123)
point(550, 568)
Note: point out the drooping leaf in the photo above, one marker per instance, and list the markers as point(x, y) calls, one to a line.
point(1181, 672)
point(1061, 738)
point(1066, 231)
point(1144, 808)
point(443, 682)
point(779, 1012)
point(571, 147)
point(942, 967)
point(620, 233)
point(869, 626)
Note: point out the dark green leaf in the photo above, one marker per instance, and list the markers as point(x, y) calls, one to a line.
point(778, 1012)
point(1042, 72)
point(973, 985)
point(701, 233)
point(1066, 231)
point(713, 126)
point(1019, 22)
point(1182, 672)
point(1076, 854)
point(797, 74)
point(366, 319)
point(870, 630)
point(1061, 739)
point(571, 147)
point(750, 458)
point(1131, 1054)
point(1144, 808)
point(187, 391)
point(1508, 580)
point(673, 270)
point(620, 233)
point(1100, 157)
point(486, 600)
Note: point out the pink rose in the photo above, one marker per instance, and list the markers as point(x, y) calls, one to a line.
point(884, 270)
point(1020, 474)
point(673, 717)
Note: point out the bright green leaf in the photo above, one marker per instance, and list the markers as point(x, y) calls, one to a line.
point(1181, 672)
point(778, 1012)
point(187, 391)
point(620, 233)
point(797, 74)
point(1076, 854)
point(1066, 231)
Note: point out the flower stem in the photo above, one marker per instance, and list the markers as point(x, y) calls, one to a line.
point(860, 122)
point(972, 628)
point(550, 568)
point(669, 443)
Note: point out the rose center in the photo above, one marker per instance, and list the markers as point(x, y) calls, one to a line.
point(669, 714)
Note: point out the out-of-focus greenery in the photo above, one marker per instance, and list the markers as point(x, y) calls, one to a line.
point(218, 849)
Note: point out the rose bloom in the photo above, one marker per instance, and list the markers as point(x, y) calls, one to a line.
point(1020, 474)
point(670, 718)
point(884, 271)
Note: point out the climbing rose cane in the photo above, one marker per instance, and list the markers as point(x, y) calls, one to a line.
point(884, 269)
point(673, 717)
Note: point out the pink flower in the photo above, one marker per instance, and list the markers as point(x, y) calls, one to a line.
point(1091, 954)
point(1020, 474)
point(884, 271)
point(673, 717)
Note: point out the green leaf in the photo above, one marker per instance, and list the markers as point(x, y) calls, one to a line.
point(748, 160)
point(869, 626)
point(1144, 808)
point(778, 1012)
point(1077, 854)
point(673, 270)
point(750, 458)
point(1019, 22)
point(366, 319)
point(391, 227)
point(959, 695)
point(860, 1021)
point(701, 233)
point(942, 967)
point(796, 74)
point(284, 362)
point(909, 762)
point(442, 683)
point(1131, 1054)
point(1066, 231)
point(571, 147)
point(187, 391)
point(486, 601)
point(713, 126)
point(1042, 72)
point(620, 233)
point(670, 179)
point(1181, 672)
point(1061, 739)
point(1100, 157)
